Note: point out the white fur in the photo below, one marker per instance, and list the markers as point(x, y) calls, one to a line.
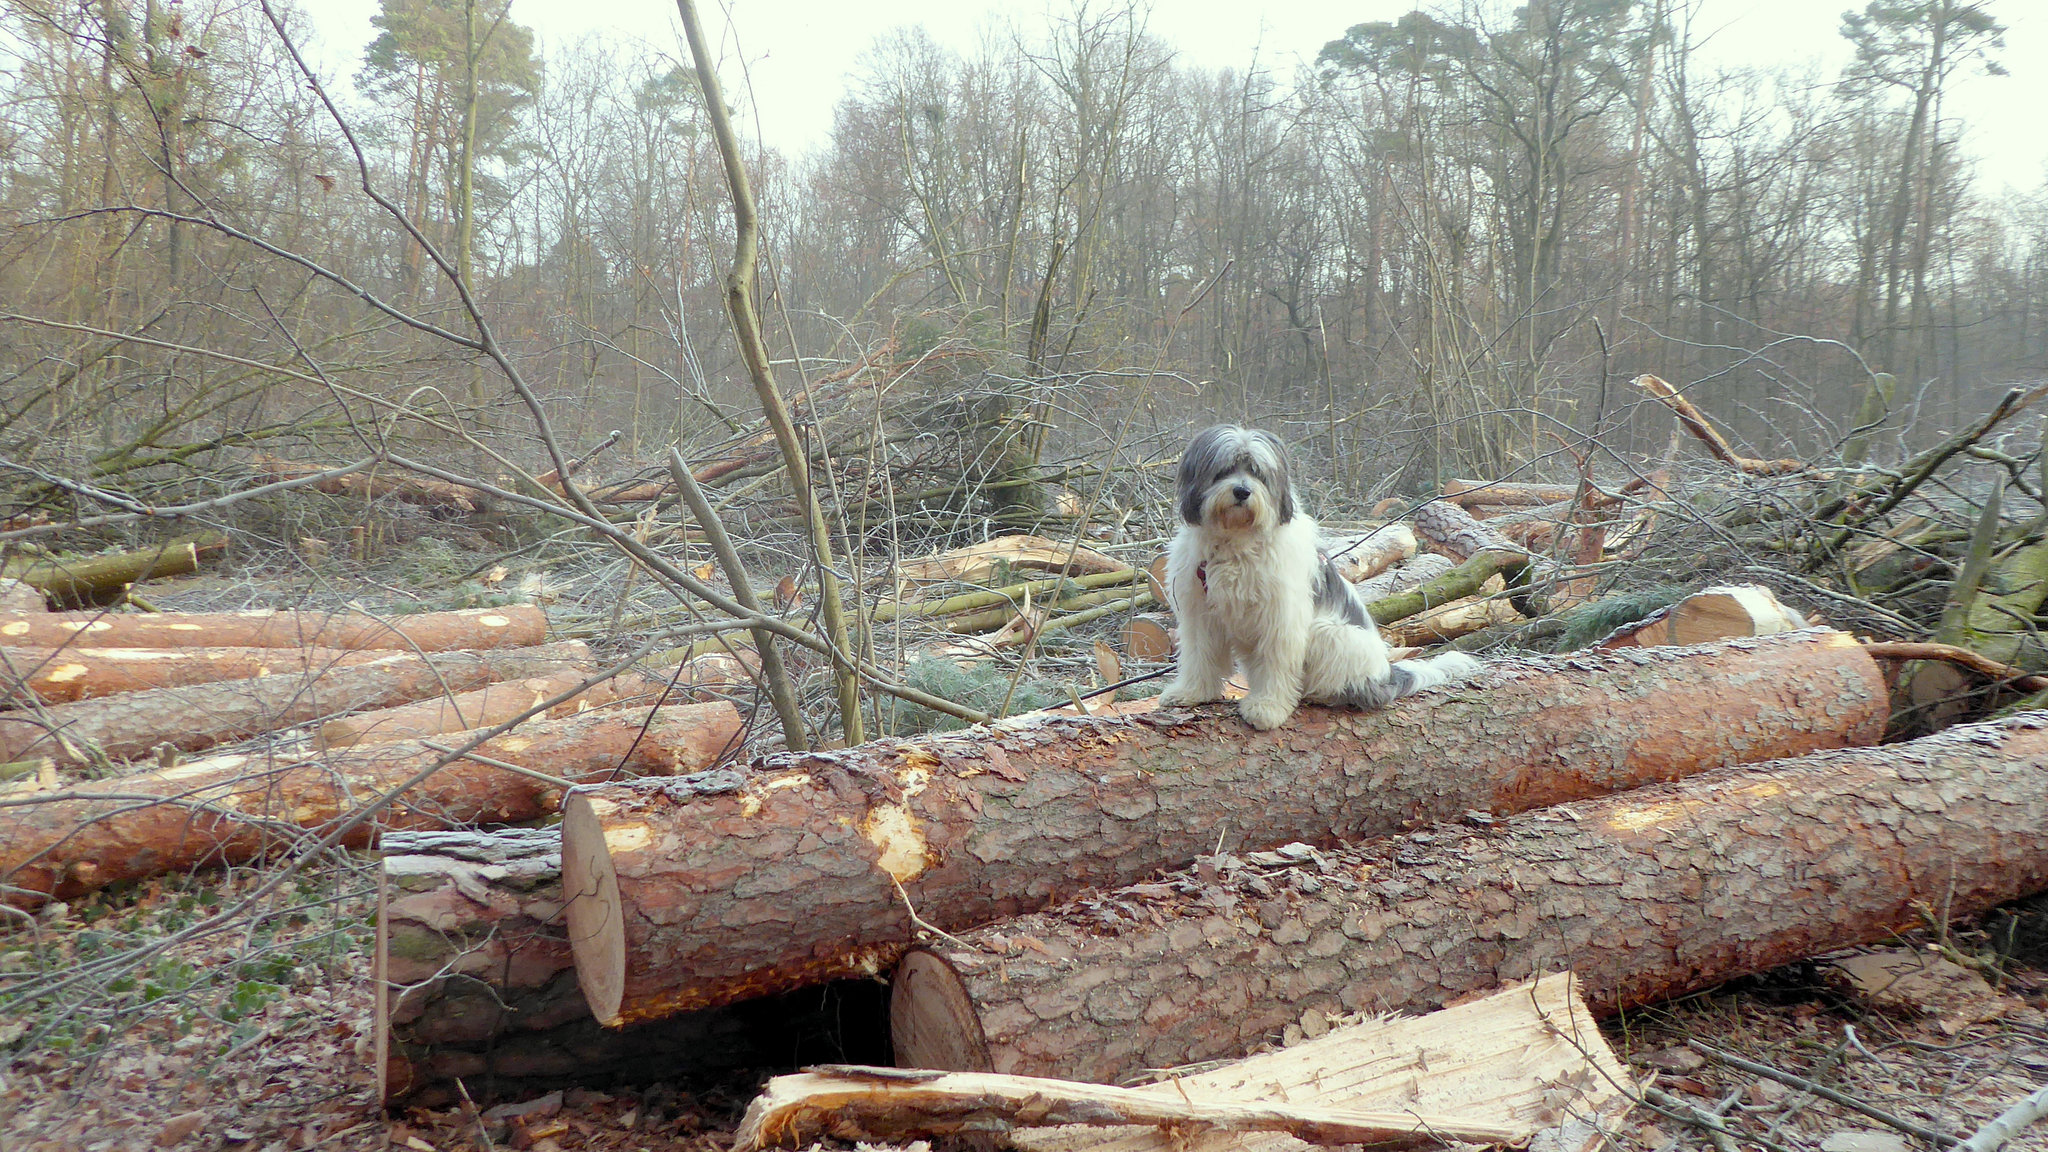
point(1242, 581)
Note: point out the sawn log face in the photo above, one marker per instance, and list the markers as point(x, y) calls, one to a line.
point(730, 886)
point(1644, 896)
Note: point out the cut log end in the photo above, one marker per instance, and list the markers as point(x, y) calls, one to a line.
point(932, 1021)
point(595, 927)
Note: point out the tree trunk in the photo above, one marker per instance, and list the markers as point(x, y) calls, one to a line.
point(1645, 896)
point(733, 886)
point(62, 675)
point(193, 717)
point(475, 982)
point(232, 808)
point(486, 707)
point(87, 579)
point(514, 626)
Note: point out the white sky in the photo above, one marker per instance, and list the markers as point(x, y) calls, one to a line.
point(799, 52)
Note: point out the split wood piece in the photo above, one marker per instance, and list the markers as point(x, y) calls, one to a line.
point(1401, 577)
point(84, 580)
point(978, 563)
point(372, 485)
point(896, 1105)
point(1646, 895)
point(1364, 557)
point(486, 707)
point(1453, 531)
point(513, 626)
point(192, 717)
point(233, 808)
point(1717, 613)
point(1705, 432)
point(475, 982)
point(16, 596)
point(709, 890)
point(1150, 636)
point(1527, 1057)
point(63, 675)
point(1461, 618)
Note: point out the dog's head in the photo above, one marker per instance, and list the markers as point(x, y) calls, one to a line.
point(1235, 480)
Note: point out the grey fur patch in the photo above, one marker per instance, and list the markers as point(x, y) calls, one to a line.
point(1399, 682)
point(1334, 596)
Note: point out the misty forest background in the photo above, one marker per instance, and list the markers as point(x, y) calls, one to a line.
point(1441, 250)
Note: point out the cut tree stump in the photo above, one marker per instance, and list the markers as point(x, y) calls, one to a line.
point(1528, 1057)
point(514, 626)
point(233, 808)
point(1645, 895)
point(1717, 613)
point(486, 707)
point(62, 675)
point(1499, 1069)
point(726, 886)
point(475, 982)
point(1150, 636)
point(193, 717)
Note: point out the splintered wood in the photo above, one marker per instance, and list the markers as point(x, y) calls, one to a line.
point(1492, 1071)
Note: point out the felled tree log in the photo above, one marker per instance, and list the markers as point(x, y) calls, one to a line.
point(1464, 580)
point(62, 675)
point(485, 707)
point(1644, 895)
point(1710, 614)
point(421, 490)
point(1364, 557)
point(1014, 594)
point(474, 981)
point(197, 716)
point(1456, 534)
point(84, 579)
point(722, 887)
point(233, 808)
point(1469, 494)
point(1409, 574)
point(514, 626)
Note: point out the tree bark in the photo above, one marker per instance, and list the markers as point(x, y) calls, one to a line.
point(194, 717)
point(486, 707)
point(514, 626)
point(233, 808)
point(62, 675)
point(1456, 534)
point(728, 886)
point(475, 981)
point(82, 579)
point(1645, 896)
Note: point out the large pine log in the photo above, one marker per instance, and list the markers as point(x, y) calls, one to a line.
point(475, 981)
point(62, 675)
point(193, 717)
point(724, 886)
point(1644, 895)
point(513, 626)
point(487, 707)
point(233, 808)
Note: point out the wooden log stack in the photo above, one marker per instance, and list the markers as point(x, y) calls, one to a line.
point(724, 886)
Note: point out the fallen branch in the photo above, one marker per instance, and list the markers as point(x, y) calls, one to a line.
point(1960, 657)
point(1705, 432)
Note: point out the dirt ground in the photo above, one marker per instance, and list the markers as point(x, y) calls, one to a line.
point(256, 1038)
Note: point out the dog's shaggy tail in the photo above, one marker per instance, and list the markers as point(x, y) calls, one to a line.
point(1407, 677)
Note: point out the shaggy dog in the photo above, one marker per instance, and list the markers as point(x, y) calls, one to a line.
point(1248, 583)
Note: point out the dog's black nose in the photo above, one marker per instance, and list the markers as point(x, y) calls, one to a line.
point(1243, 492)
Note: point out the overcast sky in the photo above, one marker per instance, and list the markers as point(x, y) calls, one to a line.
point(800, 51)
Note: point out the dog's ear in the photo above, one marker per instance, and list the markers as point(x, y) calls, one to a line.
point(1199, 465)
point(1280, 482)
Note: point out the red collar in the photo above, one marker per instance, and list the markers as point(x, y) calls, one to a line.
point(1202, 575)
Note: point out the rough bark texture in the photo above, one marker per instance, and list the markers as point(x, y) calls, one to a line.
point(486, 707)
point(1456, 534)
point(81, 579)
point(62, 675)
point(515, 626)
point(1645, 896)
point(193, 717)
point(233, 808)
point(725, 886)
point(475, 981)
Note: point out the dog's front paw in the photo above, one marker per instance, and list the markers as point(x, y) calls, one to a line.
point(1265, 712)
point(1179, 695)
